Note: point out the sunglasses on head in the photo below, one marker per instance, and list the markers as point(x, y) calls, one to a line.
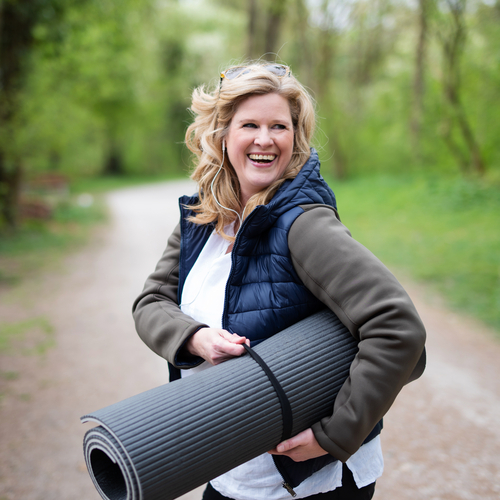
point(234, 72)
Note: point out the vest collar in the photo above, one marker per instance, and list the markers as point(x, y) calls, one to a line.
point(308, 187)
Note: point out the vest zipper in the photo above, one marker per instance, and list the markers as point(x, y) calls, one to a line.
point(226, 293)
point(286, 480)
point(284, 476)
point(289, 489)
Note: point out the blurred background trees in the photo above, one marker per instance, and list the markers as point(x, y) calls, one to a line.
point(96, 92)
point(102, 87)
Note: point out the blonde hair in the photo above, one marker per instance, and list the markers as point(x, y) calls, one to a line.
point(213, 114)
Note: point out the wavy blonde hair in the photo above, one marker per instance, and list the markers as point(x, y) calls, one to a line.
point(213, 111)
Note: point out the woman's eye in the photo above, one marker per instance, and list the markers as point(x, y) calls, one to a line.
point(250, 125)
point(279, 126)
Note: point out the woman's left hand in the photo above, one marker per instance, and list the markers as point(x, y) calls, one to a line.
point(301, 447)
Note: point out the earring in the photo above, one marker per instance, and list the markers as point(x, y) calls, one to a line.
point(223, 145)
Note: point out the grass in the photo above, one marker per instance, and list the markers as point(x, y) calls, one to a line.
point(31, 336)
point(36, 244)
point(442, 231)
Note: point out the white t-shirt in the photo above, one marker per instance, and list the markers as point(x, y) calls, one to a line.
point(203, 299)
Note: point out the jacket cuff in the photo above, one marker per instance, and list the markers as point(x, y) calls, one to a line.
point(328, 445)
point(183, 358)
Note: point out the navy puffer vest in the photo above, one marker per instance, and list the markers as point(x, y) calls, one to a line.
point(264, 295)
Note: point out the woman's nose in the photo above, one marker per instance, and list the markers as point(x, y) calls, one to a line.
point(263, 138)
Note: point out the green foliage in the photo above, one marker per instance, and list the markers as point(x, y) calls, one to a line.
point(103, 86)
point(38, 244)
point(359, 59)
point(443, 230)
point(112, 80)
point(32, 336)
point(117, 82)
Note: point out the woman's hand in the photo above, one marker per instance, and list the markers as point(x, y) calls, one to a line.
point(301, 447)
point(216, 345)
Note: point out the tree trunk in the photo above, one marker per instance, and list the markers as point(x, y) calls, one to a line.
point(252, 30)
point(10, 187)
point(303, 56)
point(276, 13)
point(16, 22)
point(114, 162)
point(452, 48)
point(417, 112)
point(325, 93)
point(370, 40)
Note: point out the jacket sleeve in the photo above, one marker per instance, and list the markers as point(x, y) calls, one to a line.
point(378, 312)
point(158, 318)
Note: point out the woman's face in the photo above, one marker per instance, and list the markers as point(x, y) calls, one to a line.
point(260, 142)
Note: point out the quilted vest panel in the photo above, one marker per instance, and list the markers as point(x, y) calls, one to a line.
point(264, 294)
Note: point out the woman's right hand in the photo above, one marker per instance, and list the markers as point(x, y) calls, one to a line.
point(216, 345)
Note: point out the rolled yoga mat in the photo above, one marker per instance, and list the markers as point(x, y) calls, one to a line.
point(165, 442)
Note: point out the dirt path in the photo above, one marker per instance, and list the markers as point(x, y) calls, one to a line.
point(441, 439)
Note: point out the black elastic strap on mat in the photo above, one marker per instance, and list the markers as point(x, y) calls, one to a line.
point(286, 409)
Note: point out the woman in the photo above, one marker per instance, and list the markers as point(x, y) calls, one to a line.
point(261, 247)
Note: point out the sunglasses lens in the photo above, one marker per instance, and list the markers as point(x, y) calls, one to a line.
point(231, 73)
point(277, 69)
point(234, 72)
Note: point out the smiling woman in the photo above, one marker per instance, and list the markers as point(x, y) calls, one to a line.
point(260, 248)
point(215, 118)
point(260, 142)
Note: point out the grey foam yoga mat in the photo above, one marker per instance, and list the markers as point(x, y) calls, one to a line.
point(162, 443)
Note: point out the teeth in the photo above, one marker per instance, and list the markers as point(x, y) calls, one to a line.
point(262, 157)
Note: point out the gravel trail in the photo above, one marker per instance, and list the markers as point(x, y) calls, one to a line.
point(441, 438)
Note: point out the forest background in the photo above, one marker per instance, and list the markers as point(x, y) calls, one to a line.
point(95, 93)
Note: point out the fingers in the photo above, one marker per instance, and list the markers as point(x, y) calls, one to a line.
point(291, 443)
point(301, 447)
point(233, 337)
point(226, 349)
point(216, 345)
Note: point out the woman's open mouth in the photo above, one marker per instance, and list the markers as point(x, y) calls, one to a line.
point(261, 158)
